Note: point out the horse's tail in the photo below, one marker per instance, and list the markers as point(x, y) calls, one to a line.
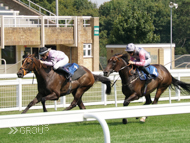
point(182, 86)
point(104, 80)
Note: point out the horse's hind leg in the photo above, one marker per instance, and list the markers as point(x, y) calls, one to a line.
point(159, 91)
point(77, 99)
point(80, 104)
point(148, 100)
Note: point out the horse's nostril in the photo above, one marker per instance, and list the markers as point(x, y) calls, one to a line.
point(19, 75)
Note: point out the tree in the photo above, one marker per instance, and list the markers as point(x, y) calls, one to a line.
point(133, 26)
point(108, 12)
point(181, 27)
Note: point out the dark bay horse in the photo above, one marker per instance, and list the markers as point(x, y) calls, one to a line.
point(133, 87)
point(52, 85)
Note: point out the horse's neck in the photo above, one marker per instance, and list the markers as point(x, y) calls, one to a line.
point(41, 73)
point(125, 74)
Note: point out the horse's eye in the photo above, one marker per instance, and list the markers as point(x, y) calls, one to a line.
point(114, 61)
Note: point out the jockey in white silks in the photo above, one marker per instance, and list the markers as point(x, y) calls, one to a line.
point(53, 58)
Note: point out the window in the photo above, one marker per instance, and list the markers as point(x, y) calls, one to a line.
point(31, 50)
point(87, 50)
point(9, 54)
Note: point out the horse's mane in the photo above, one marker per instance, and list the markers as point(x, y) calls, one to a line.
point(125, 56)
point(47, 68)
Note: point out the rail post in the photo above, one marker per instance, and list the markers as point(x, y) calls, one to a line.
point(104, 96)
point(177, 91)
point(115, 91)
point(102, 123)
point(19, 94)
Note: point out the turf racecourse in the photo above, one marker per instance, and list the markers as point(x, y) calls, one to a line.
point(160, 129)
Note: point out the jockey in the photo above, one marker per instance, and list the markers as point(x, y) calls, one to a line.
point(139, 57)
point(53, 58)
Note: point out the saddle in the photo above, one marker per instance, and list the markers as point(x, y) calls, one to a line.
point(143, 76)
point(71, 71)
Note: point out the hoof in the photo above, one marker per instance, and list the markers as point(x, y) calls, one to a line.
point(124, 121)
point(143, 119)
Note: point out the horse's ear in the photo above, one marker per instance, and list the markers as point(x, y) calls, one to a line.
point(127, 55)
point(33, 55)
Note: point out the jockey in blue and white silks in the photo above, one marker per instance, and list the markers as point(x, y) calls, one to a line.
point(139, 57)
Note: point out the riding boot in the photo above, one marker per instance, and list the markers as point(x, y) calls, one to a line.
point(149, 77)
point(66, 72)
point(69, 75)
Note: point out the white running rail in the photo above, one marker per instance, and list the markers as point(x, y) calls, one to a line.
point(16, 102)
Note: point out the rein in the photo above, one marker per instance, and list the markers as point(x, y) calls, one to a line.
point(25, 70)
point(126, 65)
point(33, 79)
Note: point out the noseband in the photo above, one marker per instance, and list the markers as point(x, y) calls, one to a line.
point(24, 69)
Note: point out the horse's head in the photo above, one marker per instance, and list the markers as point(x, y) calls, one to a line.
point(115, 63)
point(27, 66)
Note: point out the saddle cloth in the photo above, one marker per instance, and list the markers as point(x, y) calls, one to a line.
point(151, 69)
point(74, 69)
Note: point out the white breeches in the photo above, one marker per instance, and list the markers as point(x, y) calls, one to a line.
point(61, 63)
point(147, 62)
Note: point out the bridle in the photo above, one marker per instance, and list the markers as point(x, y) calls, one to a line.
point(24, 69)
point(116, 58)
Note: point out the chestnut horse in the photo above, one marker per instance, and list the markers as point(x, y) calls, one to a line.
point(133, 87)
point(52, 85)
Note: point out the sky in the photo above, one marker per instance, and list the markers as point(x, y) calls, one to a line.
point(99, 2)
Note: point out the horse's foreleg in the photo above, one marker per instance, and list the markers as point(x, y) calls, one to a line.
point(148, 101)
point(127, 101)
point(33, 102)
point(52, 96)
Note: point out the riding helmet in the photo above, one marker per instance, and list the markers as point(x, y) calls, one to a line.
point(130, 47)
point(43, 50)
